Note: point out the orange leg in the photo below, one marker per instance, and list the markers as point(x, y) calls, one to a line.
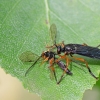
point(82, 60)
point(54, 46)
point(51, 47)
point(51, 62)
point(84, 44)
point(66, 66)
point(62, 44)
point(66, 58)
point(46, 59)
point(53, 70)
point(87, 45)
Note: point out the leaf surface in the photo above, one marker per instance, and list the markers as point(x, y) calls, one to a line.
point(24, 26)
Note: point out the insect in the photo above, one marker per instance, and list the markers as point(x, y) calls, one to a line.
point(49, 56)
point(71, 49)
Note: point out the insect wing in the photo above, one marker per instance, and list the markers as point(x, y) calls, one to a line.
point(89, 51)
point(53, 31)
point(28, 56)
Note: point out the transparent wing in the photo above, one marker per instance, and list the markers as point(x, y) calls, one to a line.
point(53, 31)
point(28, 56)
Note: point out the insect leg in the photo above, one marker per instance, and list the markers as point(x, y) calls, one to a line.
point(66, 58)
point(66, 70)
point(53, 70)
point(61, 77)
point(51, 62)
point(64, 67)
point(51, 47)
point(87, 45)
point(46, 59)
point(82, 60)
point(62, 44)
point(98, 46)
point(56, 45)
point(84, 44)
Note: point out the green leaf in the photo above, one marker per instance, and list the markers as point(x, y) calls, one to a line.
point(24, 26)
